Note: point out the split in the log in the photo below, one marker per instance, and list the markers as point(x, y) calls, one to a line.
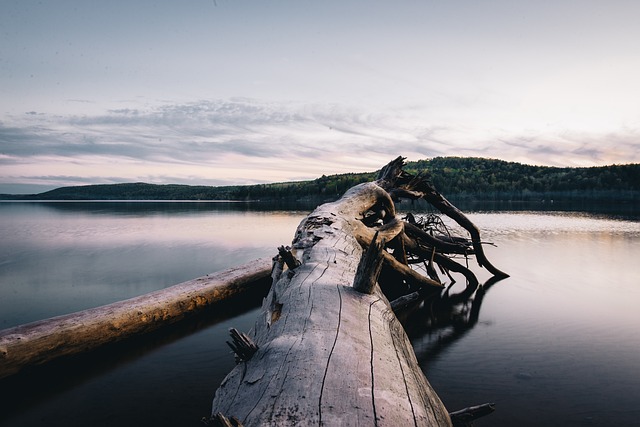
point(243, 346)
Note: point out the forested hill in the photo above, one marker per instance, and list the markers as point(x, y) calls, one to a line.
point(452, 176)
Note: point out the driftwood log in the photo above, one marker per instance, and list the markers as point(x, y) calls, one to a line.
point(327, 348)
point(46, 340)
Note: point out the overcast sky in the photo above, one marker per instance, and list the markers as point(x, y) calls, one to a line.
point(219, 92)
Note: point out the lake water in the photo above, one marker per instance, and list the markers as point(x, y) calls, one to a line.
point(555, 344)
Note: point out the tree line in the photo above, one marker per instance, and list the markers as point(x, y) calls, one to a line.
point(470, 177)
point(498, 179)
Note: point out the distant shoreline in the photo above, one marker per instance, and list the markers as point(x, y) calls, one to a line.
point(454, 177)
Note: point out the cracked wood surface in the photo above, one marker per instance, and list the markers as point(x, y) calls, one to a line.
point(332, 355)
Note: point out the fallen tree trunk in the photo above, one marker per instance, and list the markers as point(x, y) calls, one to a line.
point(327, 348)
point(39, 342)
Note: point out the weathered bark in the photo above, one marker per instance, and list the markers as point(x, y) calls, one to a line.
point(329, 354)
point(43, 341)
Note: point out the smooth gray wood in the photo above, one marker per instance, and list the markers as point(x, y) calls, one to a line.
point(329, 355)
point(42, 341)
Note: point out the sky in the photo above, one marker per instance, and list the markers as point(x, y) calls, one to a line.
point(225, 92)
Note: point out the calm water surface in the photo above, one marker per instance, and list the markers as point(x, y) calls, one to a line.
point(556, 344)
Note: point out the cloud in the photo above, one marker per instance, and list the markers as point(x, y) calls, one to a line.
point(573, 148)
point(239, 141)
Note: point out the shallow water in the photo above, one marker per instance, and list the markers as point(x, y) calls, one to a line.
point(555, 344)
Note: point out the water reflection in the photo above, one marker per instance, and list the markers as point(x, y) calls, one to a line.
point(198, 340)
point(560, 334)
point(623, 209)
point(54, 261)
point(443, 319)
point(161, 207)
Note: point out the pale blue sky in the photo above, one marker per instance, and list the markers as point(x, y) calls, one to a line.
point(233, 92)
